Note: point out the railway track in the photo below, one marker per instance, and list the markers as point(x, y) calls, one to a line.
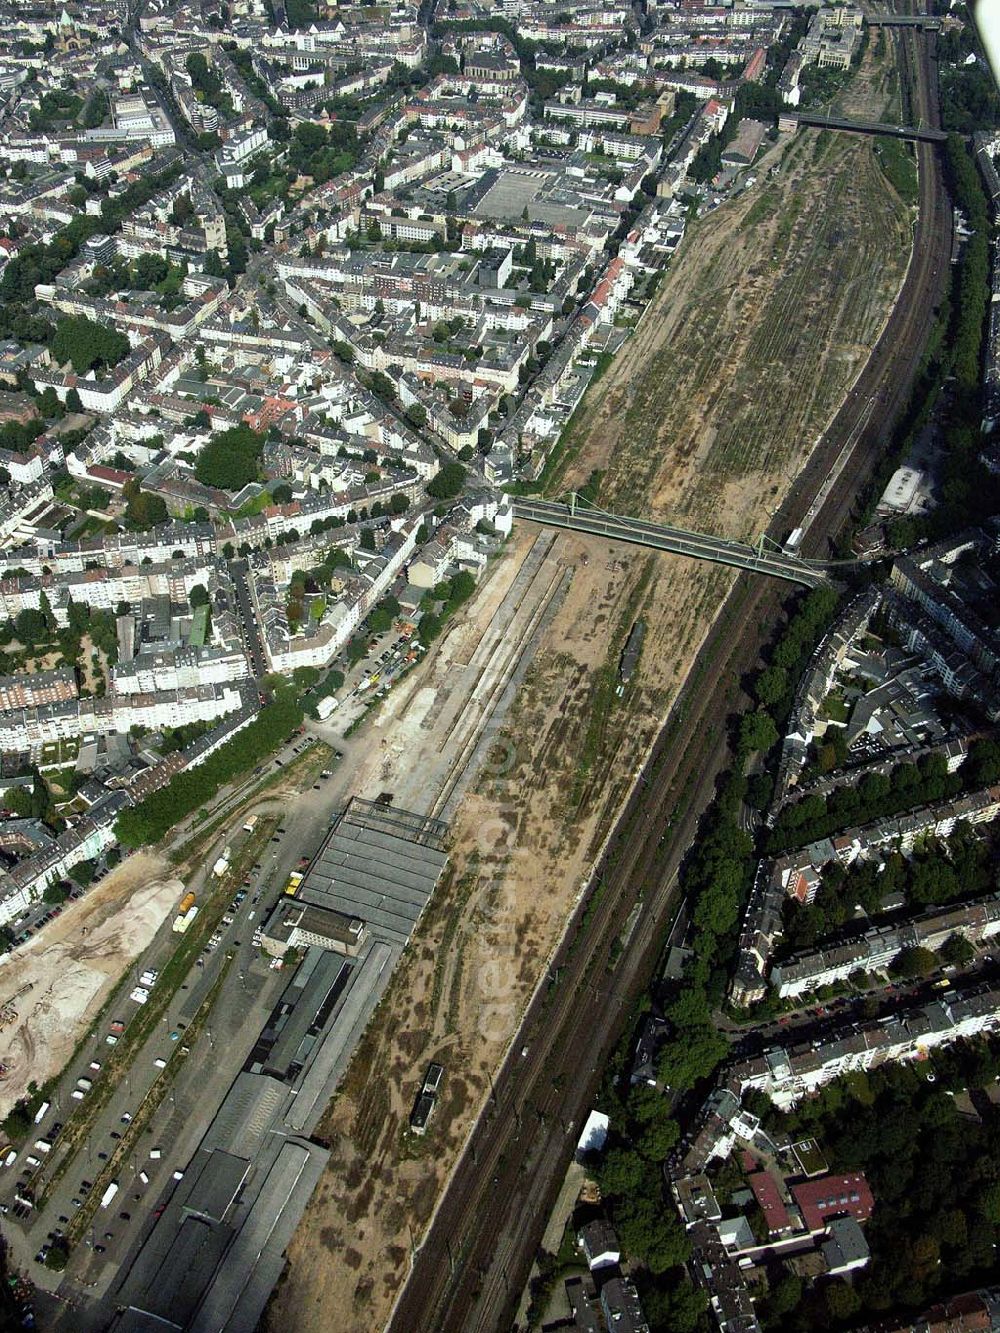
point(469, 1271)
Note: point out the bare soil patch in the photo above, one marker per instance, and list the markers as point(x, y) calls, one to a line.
point(73, 965)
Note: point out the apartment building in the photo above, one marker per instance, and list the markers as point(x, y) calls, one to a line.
point(34, 689)
point(877, 948)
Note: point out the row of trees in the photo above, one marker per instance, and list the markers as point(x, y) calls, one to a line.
point(968, 492)
point(878, 796)
point(157, 814)
point(974, 267)
point(718, 873)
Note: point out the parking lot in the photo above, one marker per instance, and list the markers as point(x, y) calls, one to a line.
point(170, 1074)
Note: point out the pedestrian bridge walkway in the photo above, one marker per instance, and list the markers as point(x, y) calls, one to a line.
point(764, 558)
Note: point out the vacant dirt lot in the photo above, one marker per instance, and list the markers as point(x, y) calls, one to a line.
point(73, 964)
point(706, 415)
point(754, 337)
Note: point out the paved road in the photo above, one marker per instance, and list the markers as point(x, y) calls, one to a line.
point(249, 623)
point(471, 1268)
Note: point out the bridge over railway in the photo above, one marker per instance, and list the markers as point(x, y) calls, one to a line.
point(759, 559)
point(918, 133)
point(926, 22)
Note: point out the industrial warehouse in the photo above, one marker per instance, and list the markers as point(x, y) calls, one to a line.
point(216, 1251)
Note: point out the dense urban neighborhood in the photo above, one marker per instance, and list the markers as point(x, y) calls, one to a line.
point(499, 666)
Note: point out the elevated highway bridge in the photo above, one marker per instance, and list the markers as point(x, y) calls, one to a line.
point(759, 559)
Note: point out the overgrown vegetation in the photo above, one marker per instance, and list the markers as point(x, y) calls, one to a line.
point(896, 159)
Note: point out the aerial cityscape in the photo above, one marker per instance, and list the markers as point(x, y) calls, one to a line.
point(499, 666)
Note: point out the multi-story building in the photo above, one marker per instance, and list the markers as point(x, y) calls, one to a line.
point(877, 948)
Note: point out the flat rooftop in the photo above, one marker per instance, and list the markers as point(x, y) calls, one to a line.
point(299, 1018)
point(543, 192)
point(379, 863)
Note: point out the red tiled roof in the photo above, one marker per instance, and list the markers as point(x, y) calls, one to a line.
point(765, 1191)
point(833, 1196)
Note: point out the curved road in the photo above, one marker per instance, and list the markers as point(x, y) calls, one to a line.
point(470, 1269)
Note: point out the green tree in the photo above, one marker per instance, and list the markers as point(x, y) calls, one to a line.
point(771, 686)
point(988, 1202)
point(45, 606)
point(231, 459)
point(621, 1173)
point(57, 1255)
point(785, 1295)
point(145, 510)
point(150, 269)
point(29, 625)
point(957, 951)
point(757, 731)
point(650, 1231)
point(914, 963)
point(842, 1301)
point(656, 1132)
point(691, 1057)
point(447, 483)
